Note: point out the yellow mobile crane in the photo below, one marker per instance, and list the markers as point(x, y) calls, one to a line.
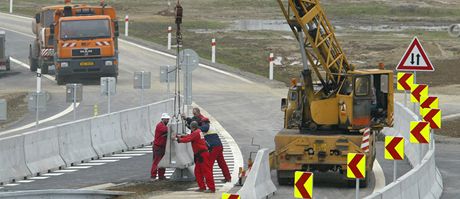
point(324, 119)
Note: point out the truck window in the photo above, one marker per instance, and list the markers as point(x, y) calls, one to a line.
point(362, 86)
point(47, 17)
point(85, 29)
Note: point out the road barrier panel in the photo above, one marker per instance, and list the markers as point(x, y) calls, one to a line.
point(135, 127)
point(42, 151)
point(258, 184)
point(13, 164)
point(106, 134)
point(75, 142)
point(409, 183)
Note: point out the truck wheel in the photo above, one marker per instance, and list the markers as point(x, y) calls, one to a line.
point(44, 68)
point(284, 181)
point(32, 61)
point(60, 80)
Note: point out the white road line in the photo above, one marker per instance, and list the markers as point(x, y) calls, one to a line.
point(38, 178)
point(21, 33)
point(379, 176)
point(25, 181)
point(52, 174)
point(92, 164)
point(103, 161)
point(11, 185)
point(79, 167)
point(127, 154)
point(137, 152)
point(202, 65)
point(114, 158)
point(64, 112)
point(28, 67)
point(66, 171)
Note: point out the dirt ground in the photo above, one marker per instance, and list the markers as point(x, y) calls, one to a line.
point(144, 190)
point(17, 107)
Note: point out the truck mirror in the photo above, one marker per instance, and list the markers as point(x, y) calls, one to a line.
point(37, 18)
point(283, 104)
point(117, 32)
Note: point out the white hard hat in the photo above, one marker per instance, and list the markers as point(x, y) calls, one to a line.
point(165, 116)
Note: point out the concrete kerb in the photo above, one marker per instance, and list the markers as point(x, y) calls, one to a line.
point(135, 127)
point(106, 134)
point(75, 142)
point(13, 164)
point(258, 184)
point(42, 151)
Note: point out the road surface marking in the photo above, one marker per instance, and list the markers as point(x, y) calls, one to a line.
point(11, 185)
point(114, 158)
point(102, 161)
point(52, 174)
point(127, 154)
point(38, 178)
point(66, 171)
point(25, 181)
point(79, 167)
point(92, 164)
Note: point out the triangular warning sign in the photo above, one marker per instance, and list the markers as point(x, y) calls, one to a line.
point(415, 58)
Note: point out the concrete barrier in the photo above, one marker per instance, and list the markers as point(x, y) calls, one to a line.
point(106, 134)
point(42, 150)
point(136, 127)
point(258, 184)
point(12, 159)
point(424, 181)
point(62, 193)
point(75, 142)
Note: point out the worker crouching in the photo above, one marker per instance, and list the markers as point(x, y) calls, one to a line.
point(203, 168)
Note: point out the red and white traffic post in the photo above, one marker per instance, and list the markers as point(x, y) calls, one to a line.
point(270, 60)
point(126, 25)
point(169, 37)
point(39, 90)
point(11, 6)
point(213, 53)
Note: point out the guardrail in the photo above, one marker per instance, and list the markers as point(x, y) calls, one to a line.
point(55, 147)
point(424, 180)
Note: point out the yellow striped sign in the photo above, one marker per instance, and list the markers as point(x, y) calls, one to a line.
point(356, 165)
point(394, 148)
point(303, 185)
point(419, 132)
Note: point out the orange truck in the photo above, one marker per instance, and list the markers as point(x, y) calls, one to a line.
point(85, 42)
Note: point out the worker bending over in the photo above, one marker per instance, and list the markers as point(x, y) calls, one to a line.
point(159, 145)
point(203, 168)
point(197, 117)
point(216, 150)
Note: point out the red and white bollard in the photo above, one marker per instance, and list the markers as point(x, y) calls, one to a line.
point(213, 47)
point(270, 60)
point(126, 25)
point(169, 37)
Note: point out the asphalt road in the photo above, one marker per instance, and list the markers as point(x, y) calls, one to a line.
point(246, 110)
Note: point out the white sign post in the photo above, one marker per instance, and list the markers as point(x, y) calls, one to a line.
point(39, 90)
point(126, 25)
point(270, 59)
point(169, 37)
point(213, 47)
point(11, 6)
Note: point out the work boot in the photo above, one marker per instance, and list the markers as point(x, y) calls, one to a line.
point(210, 191)
point(200, 190)
point(225, 180)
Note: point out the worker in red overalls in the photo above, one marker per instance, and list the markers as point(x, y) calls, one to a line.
point(159, 145)
point(203, 168)
point(216, 148)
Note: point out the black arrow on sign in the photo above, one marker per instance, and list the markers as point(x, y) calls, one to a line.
point(412, 58)
point(418, 59)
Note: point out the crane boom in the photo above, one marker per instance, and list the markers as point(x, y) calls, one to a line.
point(322, 48)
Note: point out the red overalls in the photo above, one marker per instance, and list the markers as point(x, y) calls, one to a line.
point(203, 168)
point(159, 145)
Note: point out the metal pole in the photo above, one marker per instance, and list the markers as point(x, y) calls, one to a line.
point(394, 170)
point(11, 6)
point(39, 88)
point(405, 98)
point(108, 96)
point(142, 88)
point(415, 81)
point(74, 101)
point(357, 188)
point(169, 37)
point(168, 90)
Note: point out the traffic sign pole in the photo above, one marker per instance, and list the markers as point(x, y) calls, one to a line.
point(142, 88)
point(394, 170)
point(39, 88)
point(357, 188)
point(74, 101)
point(415, 81)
